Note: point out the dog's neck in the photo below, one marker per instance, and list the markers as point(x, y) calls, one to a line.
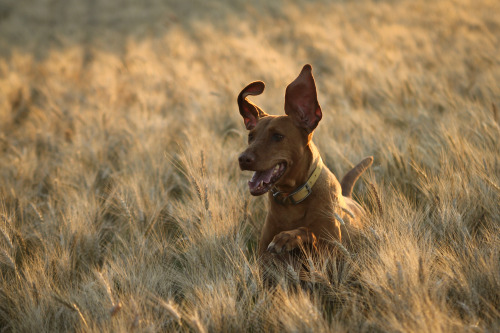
point(301, 170)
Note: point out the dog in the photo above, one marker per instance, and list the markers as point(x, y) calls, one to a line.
point(307, 204)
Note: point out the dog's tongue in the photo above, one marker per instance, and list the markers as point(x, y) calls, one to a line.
point(259, 176)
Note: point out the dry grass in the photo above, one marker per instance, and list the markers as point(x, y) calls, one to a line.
point(122, 206)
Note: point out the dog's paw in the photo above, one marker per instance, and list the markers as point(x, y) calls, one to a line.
point(284, 241)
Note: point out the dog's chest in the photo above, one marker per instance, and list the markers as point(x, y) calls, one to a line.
point(287, 217)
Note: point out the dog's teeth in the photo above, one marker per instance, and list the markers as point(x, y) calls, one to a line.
point(261, 183)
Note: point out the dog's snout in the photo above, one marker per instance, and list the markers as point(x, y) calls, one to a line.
point(246, 159)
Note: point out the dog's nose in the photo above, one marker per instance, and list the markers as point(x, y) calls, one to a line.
point(246, 159)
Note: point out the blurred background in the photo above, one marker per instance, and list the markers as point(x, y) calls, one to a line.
point(396, 63)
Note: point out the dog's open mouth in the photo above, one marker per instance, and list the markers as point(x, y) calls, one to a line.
point(262, 181)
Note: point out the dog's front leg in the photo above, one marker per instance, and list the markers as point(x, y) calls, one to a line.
point(289, 240)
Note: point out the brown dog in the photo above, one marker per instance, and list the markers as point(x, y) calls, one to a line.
point(306, 201)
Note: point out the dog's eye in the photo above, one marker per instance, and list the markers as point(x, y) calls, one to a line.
point(277, 137)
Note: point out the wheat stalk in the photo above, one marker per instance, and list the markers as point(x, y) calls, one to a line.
point(495, 113)
point(196, 324)
point(37, 212)
point(126, 209)
point(7, 260)
point(6, 238)
point(169, 307)
point(73, 307)
point(377, 199)
point(340, 247)
point(338, 218)
point(348, 212)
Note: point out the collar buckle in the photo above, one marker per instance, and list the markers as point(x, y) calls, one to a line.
point(276, 193)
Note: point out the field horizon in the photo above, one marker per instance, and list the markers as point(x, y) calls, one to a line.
point(122, 205)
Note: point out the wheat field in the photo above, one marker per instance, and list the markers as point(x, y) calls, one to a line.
point(122, 206)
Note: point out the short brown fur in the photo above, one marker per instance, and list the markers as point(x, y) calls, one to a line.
point(318, 217)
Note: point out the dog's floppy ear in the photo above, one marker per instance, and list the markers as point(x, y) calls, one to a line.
point(301, 100)
point(249, 111)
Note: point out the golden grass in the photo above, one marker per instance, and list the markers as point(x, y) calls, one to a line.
point(122, 206)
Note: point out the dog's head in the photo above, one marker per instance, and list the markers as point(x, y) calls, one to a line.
point(277, 143)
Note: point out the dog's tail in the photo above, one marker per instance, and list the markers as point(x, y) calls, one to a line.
point(352, 176)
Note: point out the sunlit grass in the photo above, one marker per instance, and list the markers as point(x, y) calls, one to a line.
point(122, 206)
